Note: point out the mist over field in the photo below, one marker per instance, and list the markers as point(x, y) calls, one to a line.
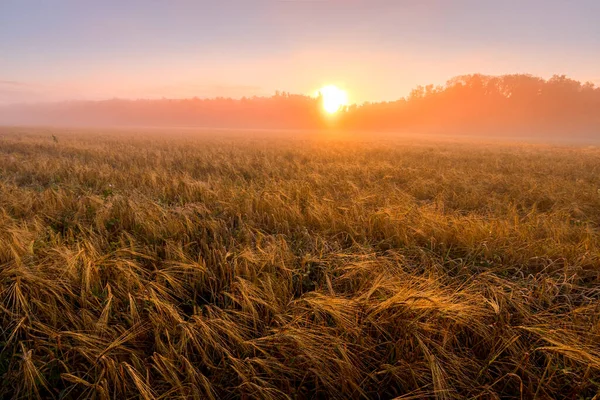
point(508, 105)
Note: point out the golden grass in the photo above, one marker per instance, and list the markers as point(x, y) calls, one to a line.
point(148, 266)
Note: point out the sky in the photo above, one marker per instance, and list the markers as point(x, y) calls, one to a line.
point(377, 50)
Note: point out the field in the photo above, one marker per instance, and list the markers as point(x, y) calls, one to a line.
point(219, 266)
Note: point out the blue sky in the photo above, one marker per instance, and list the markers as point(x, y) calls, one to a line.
point(376, 49)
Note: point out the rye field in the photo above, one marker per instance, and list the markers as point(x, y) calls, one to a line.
point(143, 264)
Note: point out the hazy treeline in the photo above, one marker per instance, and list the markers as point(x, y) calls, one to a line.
point(505, 103)
point(508, 103)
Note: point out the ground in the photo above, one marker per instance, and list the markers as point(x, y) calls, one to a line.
point(184, 264)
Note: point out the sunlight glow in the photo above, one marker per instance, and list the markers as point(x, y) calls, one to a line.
point(334, 98)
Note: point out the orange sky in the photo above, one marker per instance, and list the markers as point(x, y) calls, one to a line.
point(376, 50)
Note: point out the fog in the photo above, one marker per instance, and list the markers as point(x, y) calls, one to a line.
point(559, 109)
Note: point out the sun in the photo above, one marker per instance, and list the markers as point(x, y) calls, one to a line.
point(334, 98)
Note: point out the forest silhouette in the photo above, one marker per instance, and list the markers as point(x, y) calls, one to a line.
point(476, 103)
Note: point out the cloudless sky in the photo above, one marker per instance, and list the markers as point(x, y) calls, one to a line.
point(376, 49)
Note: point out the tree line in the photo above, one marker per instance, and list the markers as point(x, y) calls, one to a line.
point(469, 103)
